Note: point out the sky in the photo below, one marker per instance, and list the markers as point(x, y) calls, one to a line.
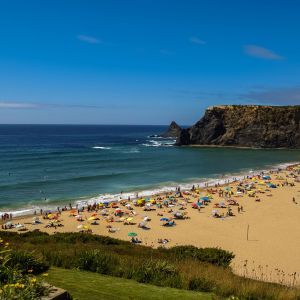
point(144, 61)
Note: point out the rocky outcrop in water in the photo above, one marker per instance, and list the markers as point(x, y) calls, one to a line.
point(173, 131)
point(246, 126)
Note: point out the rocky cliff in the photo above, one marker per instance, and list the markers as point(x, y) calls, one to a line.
point(173, 130)
point(246, 126)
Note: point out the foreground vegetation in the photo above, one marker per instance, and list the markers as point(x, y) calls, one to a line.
point(17, 280)
point(184, 267)
point(88, 285)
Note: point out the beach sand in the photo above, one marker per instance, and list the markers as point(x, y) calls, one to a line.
point(273, 238)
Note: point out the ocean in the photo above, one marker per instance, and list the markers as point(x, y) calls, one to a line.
point(53, 165)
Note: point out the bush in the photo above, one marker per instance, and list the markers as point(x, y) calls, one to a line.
point(158, 272)
point(15, 282)
point(27, 262)
point(97, 261)
point(214, 256)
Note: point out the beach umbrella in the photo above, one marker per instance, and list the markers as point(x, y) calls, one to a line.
point(91, 219)
point(132, 234)
point(142, 224)
point(129, 219)
point(164, 219)
point(205, 199)
point(266, 177)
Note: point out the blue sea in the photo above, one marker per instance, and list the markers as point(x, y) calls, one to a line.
point(53, 165)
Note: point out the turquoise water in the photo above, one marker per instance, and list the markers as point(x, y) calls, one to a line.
point(43, 165)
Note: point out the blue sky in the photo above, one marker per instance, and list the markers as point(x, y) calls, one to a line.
point(144, 61)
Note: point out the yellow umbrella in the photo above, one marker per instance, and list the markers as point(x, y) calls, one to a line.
point(122, 219)
point(129, 219)
point(91, 219)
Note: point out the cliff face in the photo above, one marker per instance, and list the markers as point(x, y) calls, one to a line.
point(173, 130)
point(246, 126)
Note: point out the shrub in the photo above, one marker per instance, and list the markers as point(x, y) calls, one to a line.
point(97, 261)
point(27, 262)
point(158, 272)
point(215, 256)
point(15, 283)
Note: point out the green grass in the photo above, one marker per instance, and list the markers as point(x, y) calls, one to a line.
point(88, 285)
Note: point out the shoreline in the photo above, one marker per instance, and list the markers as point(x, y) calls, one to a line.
point(236, 147)
point(156, 191)
point(271, 216)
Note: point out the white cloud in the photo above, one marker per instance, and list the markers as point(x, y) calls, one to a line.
point(16, 105)
point(88, 39)
point(261, 52)
point(196, 40)
point(43, 106)
point(279, 96)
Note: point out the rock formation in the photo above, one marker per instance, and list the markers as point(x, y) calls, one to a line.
point(173, 131)
point(246, 126)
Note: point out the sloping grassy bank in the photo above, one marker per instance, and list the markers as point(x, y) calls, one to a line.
point(88, 285)
point(184, 267)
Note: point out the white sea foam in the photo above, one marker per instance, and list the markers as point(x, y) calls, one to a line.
point(133, 150)
point(171, 187)
point(101, 147)
point(155, 143)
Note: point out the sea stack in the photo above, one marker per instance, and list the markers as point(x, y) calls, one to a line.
point(246, 126)
point(173, 131)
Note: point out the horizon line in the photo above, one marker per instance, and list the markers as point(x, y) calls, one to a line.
point(84, 124)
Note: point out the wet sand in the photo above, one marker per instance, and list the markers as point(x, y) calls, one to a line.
point(274, 227)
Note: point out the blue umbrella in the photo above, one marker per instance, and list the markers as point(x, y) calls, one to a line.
point(206, 199)
point(164, 219)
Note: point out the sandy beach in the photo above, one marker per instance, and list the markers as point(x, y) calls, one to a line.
point(270, 216)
